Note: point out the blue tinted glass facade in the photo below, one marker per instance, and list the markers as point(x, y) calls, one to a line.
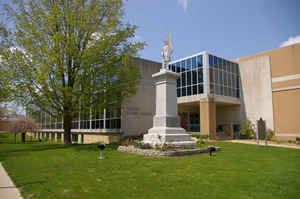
point(224, 77)
point(191, 81)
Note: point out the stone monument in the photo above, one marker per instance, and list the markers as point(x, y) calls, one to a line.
point(166, 123)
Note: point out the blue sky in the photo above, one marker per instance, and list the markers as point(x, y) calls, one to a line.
point(229, 28)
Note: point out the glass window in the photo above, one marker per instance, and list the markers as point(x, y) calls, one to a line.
point(194, 75)
point(189, 78)
point(183, 66)
point(229, 79)
point(219, 63)
point(200, 88)
point(238, 93)
point(101, 124)
point(216, 76)
point(93, 124)
point(234, 68)
point(107, 124)
point(189, 90)
point(211, 76)
point(178, 67)
point(224, 65)
point(195, 90)
point(178, 92)
point(237, 69)
point(74, 138)
point(188, 64)
point(178, 82)
point(200, 75)
point(194, 64)
point(215, 61)
point(183, 91)
point(222, 90)
point(200, 61)
point(234, 81)
point(221, 77)
point(183, 79)
point(228, 67)
point(210, 57)
point(173, 68)
point(225, 79)
point(212, 88)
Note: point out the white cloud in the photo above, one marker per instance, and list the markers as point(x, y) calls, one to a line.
point(291, 41)
point(184, 3)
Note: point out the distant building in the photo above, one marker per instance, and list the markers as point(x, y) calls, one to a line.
point(213, 95)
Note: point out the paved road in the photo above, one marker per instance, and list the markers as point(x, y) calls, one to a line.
point(7, 188)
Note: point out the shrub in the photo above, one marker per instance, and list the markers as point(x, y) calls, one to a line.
point(270, 134)
point(198, 136)
point(247, 129)
point(200, 143)
point(273, 139)
point(297, 140)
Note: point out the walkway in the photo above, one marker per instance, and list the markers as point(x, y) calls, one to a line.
point(7, 187)
point(262, 143)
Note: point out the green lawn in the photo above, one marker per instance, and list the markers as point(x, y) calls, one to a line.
point(45, 170)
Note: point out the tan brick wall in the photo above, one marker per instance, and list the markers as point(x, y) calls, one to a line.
point(287, 111)
point(284, 61)
point(208, 118)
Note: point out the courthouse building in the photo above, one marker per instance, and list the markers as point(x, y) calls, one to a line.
point(213, 95)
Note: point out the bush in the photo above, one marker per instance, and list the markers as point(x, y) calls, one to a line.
point(273, 139)
point(198, 136)
point(297, 140)
point(247, 129)
point(270, 134)
point(200, 143)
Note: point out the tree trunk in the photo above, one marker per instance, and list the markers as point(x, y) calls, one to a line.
point(67, 127)
point(23, 136)
point(15, 138)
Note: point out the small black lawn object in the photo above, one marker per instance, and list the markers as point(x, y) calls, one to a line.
point(211, 149)
point(101, 147)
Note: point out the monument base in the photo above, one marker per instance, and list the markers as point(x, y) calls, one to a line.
point(177, 136)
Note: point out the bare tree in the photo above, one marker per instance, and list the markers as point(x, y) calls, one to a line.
point(23, 126)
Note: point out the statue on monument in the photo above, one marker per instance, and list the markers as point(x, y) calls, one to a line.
point(166, 52)
point(166, 123)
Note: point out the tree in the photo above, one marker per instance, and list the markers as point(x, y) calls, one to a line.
point(247, 129)
point(6, 113)
point(70, 55)
point(4, 75)
point(22, 126)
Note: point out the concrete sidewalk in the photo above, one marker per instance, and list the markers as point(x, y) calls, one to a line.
point(7, 188)
point(262, 143)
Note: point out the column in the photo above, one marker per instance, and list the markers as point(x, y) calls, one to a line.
point(79, 139)
point(208, 118)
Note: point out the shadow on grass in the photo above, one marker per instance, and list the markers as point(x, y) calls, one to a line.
point(8, 148)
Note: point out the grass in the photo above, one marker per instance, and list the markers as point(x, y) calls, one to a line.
point(47, 170)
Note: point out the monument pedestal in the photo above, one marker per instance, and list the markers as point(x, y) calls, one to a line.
point(166, 123)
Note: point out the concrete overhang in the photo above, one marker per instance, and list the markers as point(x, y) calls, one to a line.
point(219, 99)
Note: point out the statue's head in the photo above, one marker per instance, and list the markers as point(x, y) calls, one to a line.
point(166, 42)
